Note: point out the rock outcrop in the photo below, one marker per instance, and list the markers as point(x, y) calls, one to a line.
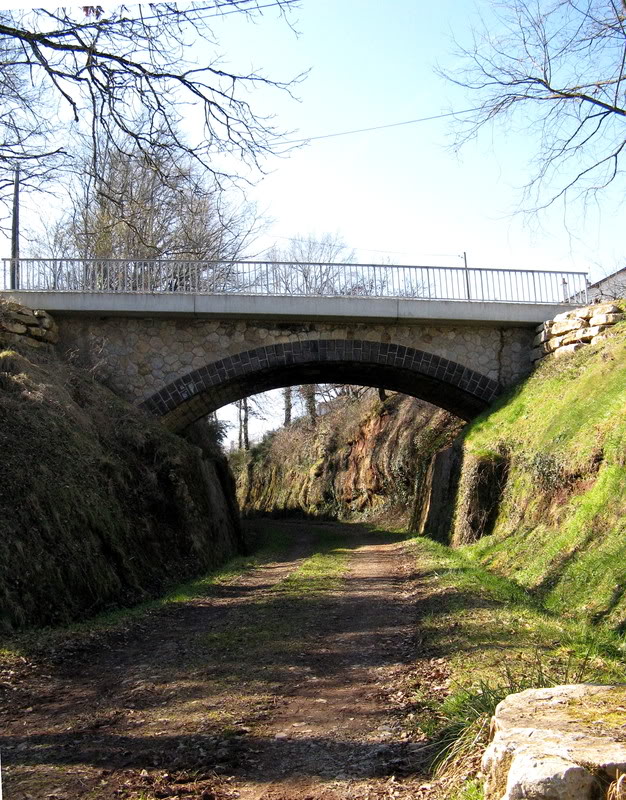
point(561, 743)
point(365, 457)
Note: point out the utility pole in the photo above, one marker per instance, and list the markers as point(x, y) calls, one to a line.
point(15, 233)
point(467, 280)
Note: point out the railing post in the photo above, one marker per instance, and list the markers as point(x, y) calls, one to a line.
point(467, 280)
point(14, 283)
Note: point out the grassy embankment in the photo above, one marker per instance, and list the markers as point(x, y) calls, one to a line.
point(540, 599)
point(559, 531)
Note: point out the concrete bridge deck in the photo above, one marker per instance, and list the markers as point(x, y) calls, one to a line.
point(293, 308)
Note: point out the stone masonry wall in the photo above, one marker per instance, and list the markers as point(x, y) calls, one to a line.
point(569, 331)
point(140, 356)
point(21, 325)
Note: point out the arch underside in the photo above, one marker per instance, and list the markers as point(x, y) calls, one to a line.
point(435, 379)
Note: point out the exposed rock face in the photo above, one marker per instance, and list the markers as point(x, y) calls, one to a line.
point(562, 743)
point(570, 330)
point(363, 457)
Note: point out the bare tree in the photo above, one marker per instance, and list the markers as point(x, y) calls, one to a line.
point(141, 211)
point(127, 72)
point(311, 265)
point(308, 393)
point(243, 412)
point(329, 392)
point(560, 63)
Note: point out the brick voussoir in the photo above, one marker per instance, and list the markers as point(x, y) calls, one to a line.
point(206, 388)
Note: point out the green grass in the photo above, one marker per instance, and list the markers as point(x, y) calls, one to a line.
point(497, 638)
point(323, 571)
point(275, 623)
point(560, 530)
point(494, 613)
point(568, 407)
point(473, 790)
point(275, 542)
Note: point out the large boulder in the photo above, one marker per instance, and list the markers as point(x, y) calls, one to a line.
point(562, 743)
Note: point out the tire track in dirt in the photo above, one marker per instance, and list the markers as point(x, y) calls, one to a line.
point(335, 737)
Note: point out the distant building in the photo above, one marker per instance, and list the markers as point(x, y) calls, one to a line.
point(613, 287)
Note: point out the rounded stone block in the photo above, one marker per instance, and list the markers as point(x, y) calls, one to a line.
point(606, 319)
point(547, 744)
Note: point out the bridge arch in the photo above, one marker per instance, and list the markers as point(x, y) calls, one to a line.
point(438, 380)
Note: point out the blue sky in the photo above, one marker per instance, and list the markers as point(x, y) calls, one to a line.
point(401, 192)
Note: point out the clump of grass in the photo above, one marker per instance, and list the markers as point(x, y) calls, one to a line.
point(478, 616)
point(617, 790)
point(472, 790)
point(466, 713)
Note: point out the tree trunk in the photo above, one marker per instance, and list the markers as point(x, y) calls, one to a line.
point(287, 397)
point(308, 393)
point(246, 440)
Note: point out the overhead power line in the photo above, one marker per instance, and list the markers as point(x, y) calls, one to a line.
point(370, 249)
point(382, 127)
point(255, 7)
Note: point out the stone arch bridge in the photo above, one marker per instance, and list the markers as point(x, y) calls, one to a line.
point(181, 357)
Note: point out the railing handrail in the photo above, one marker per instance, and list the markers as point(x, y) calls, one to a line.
point(292, 263)
point(292, 279)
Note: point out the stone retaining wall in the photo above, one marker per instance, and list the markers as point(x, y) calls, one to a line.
point(571, 330)
point(22, 325)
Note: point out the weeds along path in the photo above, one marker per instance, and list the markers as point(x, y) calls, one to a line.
point(274, 685)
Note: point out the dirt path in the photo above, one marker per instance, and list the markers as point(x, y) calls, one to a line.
point(269, 688)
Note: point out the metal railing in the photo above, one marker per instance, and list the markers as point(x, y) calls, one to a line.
point(293, 280)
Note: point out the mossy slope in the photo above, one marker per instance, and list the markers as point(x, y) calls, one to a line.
point(560, 529)
point(99, 505)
